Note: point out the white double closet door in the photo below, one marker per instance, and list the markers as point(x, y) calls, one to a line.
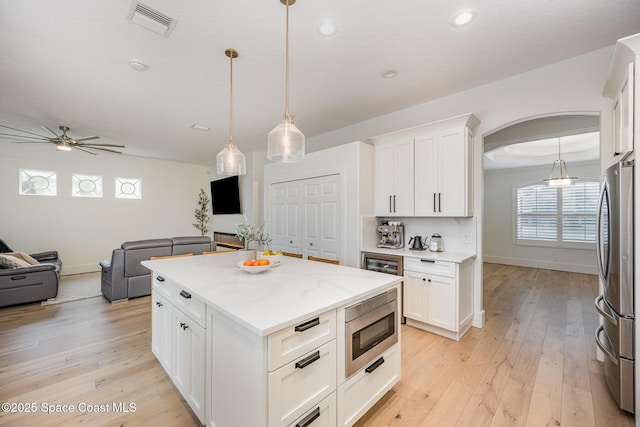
point(305, 216)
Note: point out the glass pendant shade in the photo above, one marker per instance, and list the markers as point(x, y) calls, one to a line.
point(231, 161)
point(562, 179)
point(285, 142)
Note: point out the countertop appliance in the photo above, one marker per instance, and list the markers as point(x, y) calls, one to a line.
point(615, 255)
point(436, 244)
point(416, 243)
point(391, 236)
point(370, 328)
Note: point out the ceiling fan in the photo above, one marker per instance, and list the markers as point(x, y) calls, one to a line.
point(62, 142)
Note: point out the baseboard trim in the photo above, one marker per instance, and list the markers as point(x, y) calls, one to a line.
point(78, 269)
point(547, 265)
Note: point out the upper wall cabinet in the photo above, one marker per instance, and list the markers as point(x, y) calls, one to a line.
point(443, 174)
point(621, 86)
point(394, 178)
point(426, 170)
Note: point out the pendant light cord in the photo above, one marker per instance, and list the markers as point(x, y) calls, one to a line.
point(231, 100)
point(286, 100)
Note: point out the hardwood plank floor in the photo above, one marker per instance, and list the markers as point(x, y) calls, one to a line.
point(532, 365)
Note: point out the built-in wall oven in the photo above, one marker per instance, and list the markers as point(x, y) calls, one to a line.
point(371, 328)
point(383, 263)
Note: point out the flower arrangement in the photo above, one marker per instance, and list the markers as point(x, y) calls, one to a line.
point(249, 233)
point(202, 213)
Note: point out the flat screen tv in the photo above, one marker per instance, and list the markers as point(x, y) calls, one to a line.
point(225, 196)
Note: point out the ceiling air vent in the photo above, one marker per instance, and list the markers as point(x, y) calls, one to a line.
point(151, 19)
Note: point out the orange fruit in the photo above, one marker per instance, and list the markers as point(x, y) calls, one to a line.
point(248, 263)
point(263, 262)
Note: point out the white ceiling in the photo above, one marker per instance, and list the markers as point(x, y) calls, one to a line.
point(67, 62)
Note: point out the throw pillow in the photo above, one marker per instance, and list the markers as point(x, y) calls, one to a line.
point(24, 256)
point(9, 261)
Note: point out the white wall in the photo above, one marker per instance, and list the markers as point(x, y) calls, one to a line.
point(85, 230)
point(574, 85)
point(498, 227)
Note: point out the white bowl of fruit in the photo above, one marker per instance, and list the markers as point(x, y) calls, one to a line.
point(272, 256)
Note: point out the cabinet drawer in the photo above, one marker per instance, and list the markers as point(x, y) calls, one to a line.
point(162, 286)
point(363, 390)
point(428, 266)
point(292, 342)
point(192, 307)
point(322, 415)
point(295, 388)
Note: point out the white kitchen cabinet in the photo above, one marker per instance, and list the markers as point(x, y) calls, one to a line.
point(394, 179)
point(323, 415)
point(178, 340)
point(438, 296)
point(623, 111)
point(360, 392)
point(443, 173)
point(161, 331)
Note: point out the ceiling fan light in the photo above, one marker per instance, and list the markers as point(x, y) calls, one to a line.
point(285, 143)
point(231, 161)
point(560, 182)
point(65, 146)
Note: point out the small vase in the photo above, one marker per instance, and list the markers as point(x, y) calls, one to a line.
point(244, 254)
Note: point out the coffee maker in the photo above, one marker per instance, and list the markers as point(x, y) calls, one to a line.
point(391, 235)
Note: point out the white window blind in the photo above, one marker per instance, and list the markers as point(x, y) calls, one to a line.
point(557, 215)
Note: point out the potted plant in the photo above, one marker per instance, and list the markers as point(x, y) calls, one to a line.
point(202, 213)
point(248, 233)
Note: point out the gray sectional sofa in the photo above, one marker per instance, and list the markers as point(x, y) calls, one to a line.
point(124, 277)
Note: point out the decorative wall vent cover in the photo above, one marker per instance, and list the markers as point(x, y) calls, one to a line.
point(151, 19)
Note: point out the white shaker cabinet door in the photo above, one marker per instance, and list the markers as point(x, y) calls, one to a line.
point(162, 330)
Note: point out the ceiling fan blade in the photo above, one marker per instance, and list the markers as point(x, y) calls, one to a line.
point(102, 145)
point(86, 138)
point(51, 132)
point(85, 150)
point(26, 137)
point(25, 131)
point(31, 142)
point(101, 149)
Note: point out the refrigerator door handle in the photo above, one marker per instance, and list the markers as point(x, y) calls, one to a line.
point(602, 201)
point(606, 349)
point(605, 311)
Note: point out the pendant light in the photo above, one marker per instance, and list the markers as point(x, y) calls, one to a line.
point(230, 160)
point(563, 179)
point(285, 141)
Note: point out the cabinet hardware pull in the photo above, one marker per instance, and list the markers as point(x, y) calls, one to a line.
point(306, 421)
point(158, 303)
point(375, 365)
point(185, 327)
point(394, 203)
point(19, 277)
point(185, 294)
point(160, 279)
point(307, 325)
point(439, 203)
point(434, 202)
point(424, 279)
point(182, 325)
point(390, 204)
point(427, 260)
point(308, 360)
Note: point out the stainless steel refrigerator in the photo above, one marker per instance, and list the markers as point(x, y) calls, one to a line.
point(615, 263)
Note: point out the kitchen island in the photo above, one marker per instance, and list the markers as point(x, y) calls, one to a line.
point(266, 349)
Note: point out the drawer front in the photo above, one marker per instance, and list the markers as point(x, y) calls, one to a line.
point(322, 415)
point(191, 306)
point(290, 343)
point(364, 389)
point(162, 286)
point(427, 266)
point(295, 388)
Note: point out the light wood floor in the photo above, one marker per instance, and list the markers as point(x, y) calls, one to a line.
point(533, 364)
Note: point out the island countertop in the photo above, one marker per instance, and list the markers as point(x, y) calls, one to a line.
point(277, 298)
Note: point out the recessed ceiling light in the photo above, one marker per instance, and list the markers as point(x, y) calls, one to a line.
point(204, 128)
point(138, 66)
point(389, 74)
point(463, 18)
point(327, 28)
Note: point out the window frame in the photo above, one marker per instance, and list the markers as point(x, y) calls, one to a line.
point(558, 242)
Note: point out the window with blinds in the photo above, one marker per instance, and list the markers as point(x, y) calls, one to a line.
point(557, 216)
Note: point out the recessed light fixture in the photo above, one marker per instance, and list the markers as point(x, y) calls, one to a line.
point(137, 65)
point(198, 127)
point(327, 28)
point(389, 74)
point(463, 18)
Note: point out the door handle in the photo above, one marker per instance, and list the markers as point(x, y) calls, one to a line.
point(390, 204)
point(434, 202)
point(439, 202)
point(307, 325)
point(185, 294)
point(394, 203)
point(375, 365)
point(308, 360)
point(160, 279)
point(605, 348)
point(306, 421)
point(604, 311)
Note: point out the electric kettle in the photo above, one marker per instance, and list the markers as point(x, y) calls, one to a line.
point(417, 243)
point(436, 244)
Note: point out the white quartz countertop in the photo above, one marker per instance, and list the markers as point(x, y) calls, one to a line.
point(279, 297)
point(457, 257)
